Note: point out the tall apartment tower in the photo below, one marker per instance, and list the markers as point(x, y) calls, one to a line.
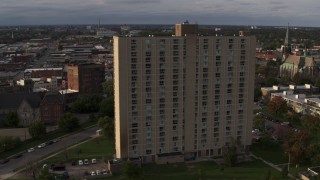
point(182, 97)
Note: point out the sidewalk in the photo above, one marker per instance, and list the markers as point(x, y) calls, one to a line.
point(271, 164)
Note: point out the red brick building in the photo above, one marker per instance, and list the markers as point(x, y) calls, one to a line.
point(52, 107)
point(86, 78)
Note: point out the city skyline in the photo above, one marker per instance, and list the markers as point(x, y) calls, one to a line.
point(222, 12)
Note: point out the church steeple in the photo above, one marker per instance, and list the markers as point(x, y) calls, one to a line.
point(287, 42)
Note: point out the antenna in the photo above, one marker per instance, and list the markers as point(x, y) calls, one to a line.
point(99, 23)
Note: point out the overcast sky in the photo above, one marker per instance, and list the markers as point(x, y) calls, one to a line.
point(229, 12)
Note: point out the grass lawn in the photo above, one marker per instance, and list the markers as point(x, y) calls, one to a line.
point(246, 171)
point(34, 142)
point(274, 155)
point(99, 148)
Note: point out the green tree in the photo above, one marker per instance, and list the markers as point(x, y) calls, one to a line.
point(107, 126)
point(296, 144)
point(311, 123)
point(45, 175)
point(108, 88)
point(8, 142)
point(270, 81)
point(37, 129)
point(257, 93)
point(86, 104)
point(68, 122)
point(317, 84)
point(285, 80)
point(107, 107)
point(131, 170)
point(11, 120)
point(277, 106)
point(259, 123)
point(230, 155)
point(313, 153)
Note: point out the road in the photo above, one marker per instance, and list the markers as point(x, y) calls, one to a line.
point(9, 169)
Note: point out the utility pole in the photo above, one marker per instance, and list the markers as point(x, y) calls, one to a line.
point(289, 162)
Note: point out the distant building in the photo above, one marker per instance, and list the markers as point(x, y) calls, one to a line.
point(304, 89)
point(300, 103)
point(52, 107)
point(86, 78)
point(25, 104)
point(293, 64)
point(43, 72)
point(22, 59)
point(106, 33)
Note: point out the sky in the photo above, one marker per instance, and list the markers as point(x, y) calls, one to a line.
point(215, 12)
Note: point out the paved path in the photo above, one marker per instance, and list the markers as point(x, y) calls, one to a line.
point(271, 164)
point(9, 169)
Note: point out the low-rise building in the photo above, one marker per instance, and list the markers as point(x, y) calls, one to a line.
point(52, 107)
point(25, 104)
point(302, 89)
point(300, 103)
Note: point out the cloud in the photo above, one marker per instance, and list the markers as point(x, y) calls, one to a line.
point(265, 12)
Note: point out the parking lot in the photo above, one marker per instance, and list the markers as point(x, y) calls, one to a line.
point(79, 171)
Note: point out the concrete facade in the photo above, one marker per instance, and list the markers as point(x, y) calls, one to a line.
point(189, 94)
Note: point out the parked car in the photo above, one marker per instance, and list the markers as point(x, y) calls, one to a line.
point(30, 149)
point(93, 161)
point(56, 140)
point(49, 143)
point(42, 145)
point(103, 171)
point(3, 161)
point(73, 163)
point(80, 162)
point(17, 156)
point(86, 162)
point(93, 173)
point(98, 172)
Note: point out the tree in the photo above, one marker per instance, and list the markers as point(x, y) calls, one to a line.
point(230, 153)
point(270, 81)
point(37, 129)
point(295, 145)
point(108, 88)
point(86, 104)
point(107, 126)
point(68, 122)
point(313, 155)
point(317, 84)
point(277, 106)
point(107, 107)
point(11, 120)
point(311, 123)
point(8, 142)
point(45, 175)
point(285, 80)
point(259, 123)
point(131, 170)
point(257, 93)
point(300, 79)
